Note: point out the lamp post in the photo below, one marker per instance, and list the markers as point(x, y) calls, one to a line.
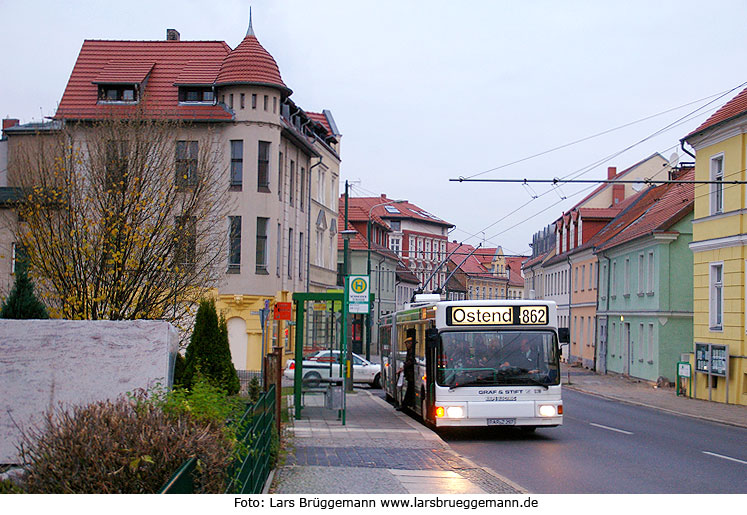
point(369, 322)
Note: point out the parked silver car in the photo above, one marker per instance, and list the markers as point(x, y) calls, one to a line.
point(323, 366)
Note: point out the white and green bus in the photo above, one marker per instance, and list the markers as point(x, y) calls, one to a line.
point(477, 363)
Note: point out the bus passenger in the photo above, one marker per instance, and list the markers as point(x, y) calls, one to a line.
point(408, 368)
point(526, 358)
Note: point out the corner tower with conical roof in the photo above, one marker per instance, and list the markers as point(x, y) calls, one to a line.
point(249, 79)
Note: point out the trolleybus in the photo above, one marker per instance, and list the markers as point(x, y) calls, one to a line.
point(477, 363)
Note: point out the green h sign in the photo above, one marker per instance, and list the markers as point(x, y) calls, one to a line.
point(357, 292)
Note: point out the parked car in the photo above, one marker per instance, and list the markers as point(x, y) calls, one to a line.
point(323, 366)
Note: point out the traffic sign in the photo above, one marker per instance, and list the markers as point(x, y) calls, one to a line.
point(357, 292)
point(282, 311)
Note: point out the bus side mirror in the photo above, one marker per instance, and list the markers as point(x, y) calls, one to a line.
point(564, 335)
point(431, 338)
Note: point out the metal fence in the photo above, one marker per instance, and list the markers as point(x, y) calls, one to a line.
point(182, 482)
point(245, 377)
point(255, 435)
point(256, 429)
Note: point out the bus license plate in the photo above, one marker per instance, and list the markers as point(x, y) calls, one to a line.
point(501, 421)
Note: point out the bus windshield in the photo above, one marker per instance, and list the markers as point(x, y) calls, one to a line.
point(477, 358)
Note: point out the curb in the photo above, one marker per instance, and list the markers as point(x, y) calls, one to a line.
point(432, 435)
point(651, 406)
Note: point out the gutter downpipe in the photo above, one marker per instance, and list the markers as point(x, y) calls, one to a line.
point(308, 226)
point(682, 146)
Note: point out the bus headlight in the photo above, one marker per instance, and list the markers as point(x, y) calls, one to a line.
point(450, 412)
point(547, 410)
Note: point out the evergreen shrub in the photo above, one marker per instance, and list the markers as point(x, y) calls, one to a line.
point(208, 353)
point(21, 303)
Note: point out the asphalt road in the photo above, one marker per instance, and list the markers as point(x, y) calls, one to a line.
point(612, 447)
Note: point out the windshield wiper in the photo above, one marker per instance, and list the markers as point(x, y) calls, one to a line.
point(538, 383)
point(474, 382)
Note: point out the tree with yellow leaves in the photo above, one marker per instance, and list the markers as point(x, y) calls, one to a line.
point(122, 218)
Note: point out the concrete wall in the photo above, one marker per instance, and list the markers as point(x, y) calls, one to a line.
point(47, 362)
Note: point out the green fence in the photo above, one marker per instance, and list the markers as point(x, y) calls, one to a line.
point(258, 423)
point(249, 476)
point(182, 482)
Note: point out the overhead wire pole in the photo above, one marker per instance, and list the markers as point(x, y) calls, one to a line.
point(460, 264)
point(440, 265)
point(597, 181)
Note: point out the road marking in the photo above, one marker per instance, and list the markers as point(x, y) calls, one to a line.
point(725, 457)
point(610, 428)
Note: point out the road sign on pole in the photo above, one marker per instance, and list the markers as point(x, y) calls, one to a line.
point(357, 293)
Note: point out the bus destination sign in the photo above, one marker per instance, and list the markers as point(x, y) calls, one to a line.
point(497, 315)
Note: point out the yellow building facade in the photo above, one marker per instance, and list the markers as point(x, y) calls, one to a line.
point(720, 252)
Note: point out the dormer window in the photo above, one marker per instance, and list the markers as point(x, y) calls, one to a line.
point(196, 94)
point(118, 93)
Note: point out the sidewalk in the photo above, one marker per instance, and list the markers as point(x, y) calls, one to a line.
point(641, 393)
point(378, 451)
point(383, 451)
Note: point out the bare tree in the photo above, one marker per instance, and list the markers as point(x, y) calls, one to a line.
point(122, 218)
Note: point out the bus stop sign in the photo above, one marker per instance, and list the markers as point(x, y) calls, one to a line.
point(357, 293)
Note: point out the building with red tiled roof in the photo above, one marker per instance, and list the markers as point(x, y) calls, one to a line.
point(418, 237)
point(280, 164)
point(645, 297)
point(369, 253)
point(730, 111)
point(568, 274)
point(515, 276)
point(483, 273)
point(719, 246)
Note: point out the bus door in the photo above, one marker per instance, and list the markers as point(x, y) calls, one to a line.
point(432, 341)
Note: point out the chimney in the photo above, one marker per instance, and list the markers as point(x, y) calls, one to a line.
point(611, 172)
point(383, 195)
point(10, 122)
point(172, 35)
point(618, 193)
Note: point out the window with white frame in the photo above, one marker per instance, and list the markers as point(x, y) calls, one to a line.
point(650, 271)
point(640, 342)
point(394, 244)
point(279, 251)
point(583, 276)
point(319, 249)
point(602, 284)
point(582, 332)
point(650, 342)
point(261, 245)
point(290, 253)
point(641, 274)
point(613, 280)
point(626, 284)
point(234, 243)
point(717, 296)
point(717, 189)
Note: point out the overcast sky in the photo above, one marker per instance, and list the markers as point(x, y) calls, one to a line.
point(424, 92)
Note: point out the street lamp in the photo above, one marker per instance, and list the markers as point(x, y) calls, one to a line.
point(368, 267)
